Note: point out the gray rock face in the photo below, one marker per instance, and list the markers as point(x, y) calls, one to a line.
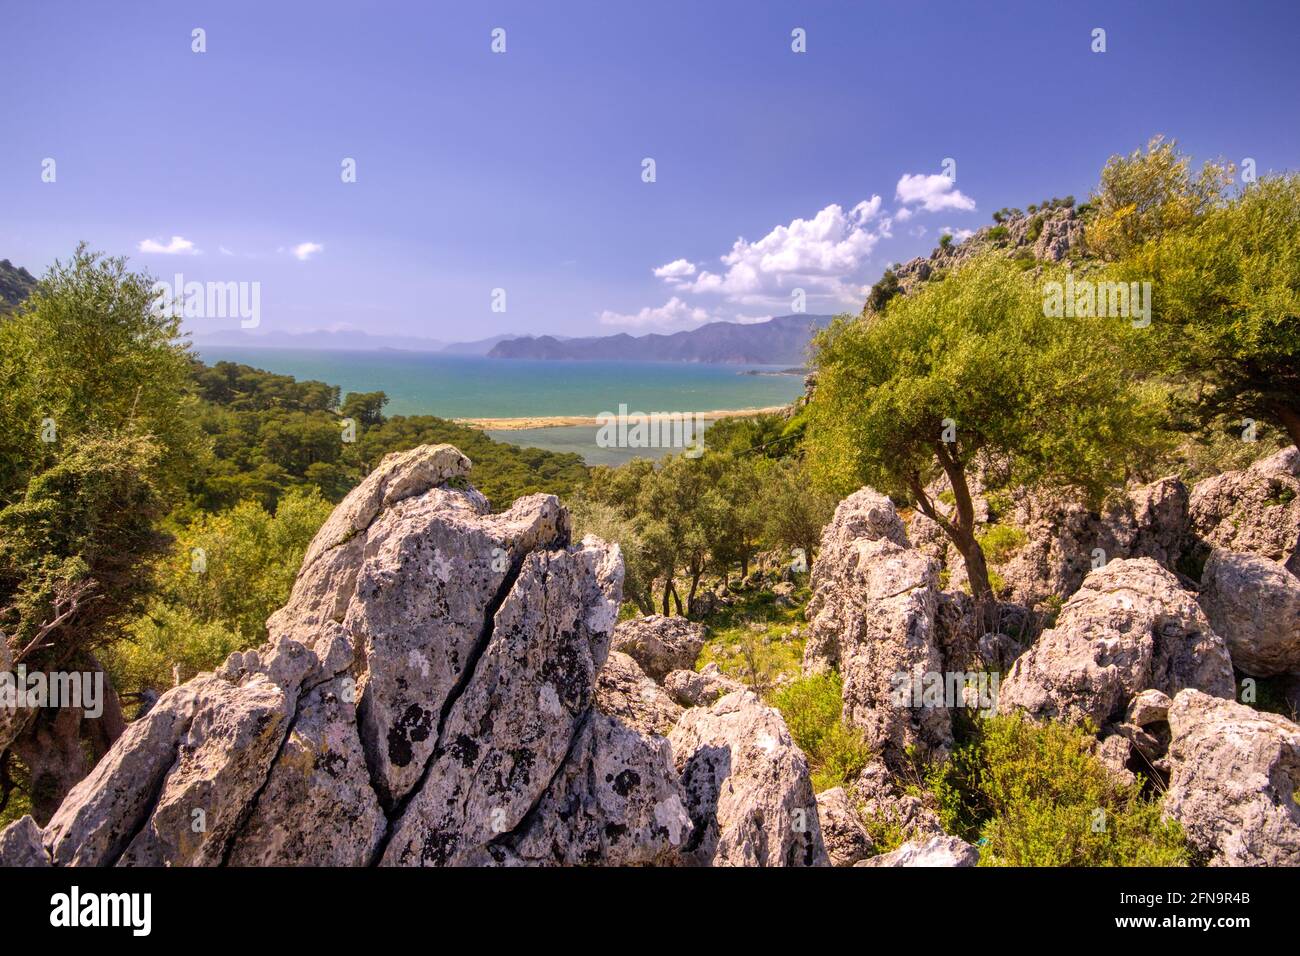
point(845, 837)
point(933, 851)
point(1235, 776)
point(1129, 628)
point(427, 697)
point(747, 785)
point(699, 688)
point(872, 615)
point(1255, 510)
point(1254, 603)
point(660, 644)
point(22, 844)
point(624, 691)
point(885, 802)
point(1063, 537)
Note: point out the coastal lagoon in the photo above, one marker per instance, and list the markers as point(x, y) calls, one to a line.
point(471, 387)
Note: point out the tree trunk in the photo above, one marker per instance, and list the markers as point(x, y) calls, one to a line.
point(668, 590)
point(960, 529)
point(677, 600)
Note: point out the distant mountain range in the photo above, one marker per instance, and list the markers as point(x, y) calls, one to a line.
point(779, 341)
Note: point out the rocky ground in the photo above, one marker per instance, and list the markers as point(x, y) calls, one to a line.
point(448, 686)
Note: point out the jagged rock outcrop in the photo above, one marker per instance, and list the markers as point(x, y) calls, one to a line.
point(1254, 602)
point(1235, 777)
point(1130, 627)
point(748, 789)
point(872, 615)
point(1255, 510)
point(882, 800)
point(660, 644)
point(1064, 540)
point(937, 850)
point(624, 691)
point(846, 839)
point(428, 695)
point(699, 688)
point(21, 844)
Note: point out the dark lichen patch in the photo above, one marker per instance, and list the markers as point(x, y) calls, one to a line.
point(413, 726)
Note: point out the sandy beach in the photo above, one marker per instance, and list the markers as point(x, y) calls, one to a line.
point(560, 421)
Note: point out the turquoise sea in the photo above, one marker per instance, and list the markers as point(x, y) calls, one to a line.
point(425, 383)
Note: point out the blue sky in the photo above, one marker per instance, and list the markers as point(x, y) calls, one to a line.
point(523, 170)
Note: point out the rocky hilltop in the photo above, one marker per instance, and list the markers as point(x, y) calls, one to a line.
point(447, 686)
point(439, 691)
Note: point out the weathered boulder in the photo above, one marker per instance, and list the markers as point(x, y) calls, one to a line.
point(882, 800)
point(872, 615)
point(1254, 603)
point(937, 850)
point(427, 696)
point(1128, 628)
point(22, 844)
point(845, 837)
point(699, 688)
point(1255, 510)
point(748, 790)
point(624, 691)
point(1149, 707)
point(660, 644)
point(1235, 777)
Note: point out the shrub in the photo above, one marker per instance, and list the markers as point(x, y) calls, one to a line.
point(1033, 794)
point(1001, 541)
point(811, 707)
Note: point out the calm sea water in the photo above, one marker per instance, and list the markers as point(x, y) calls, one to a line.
point(420, 383)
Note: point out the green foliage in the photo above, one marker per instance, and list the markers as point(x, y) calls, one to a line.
point(752, 639)
point(214, 591)
point(997, 234)
point(270, 434)
point(811, 707)
point(1051, 395)
point(1034, 795)
point(945, 241)
point(883, 291)
point(1227, 307)
point(86, 354)
point(72, 546)
point(1148, 194)
point(1001, 541)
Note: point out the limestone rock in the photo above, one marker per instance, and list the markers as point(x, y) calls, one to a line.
point(1254, 603)
point(660, 644)
point(748, 789)
point(699, 688)
point(624, 691)
point(22, 844)
point(320, 776)
point(845, 837)
point(883, 800)
point(1235, 776)
point(617, 802)
point(934, 851)
point(872, 615)
point(1149, 707)
point(430, 695)
point(1129, 628)
point(1255, 510)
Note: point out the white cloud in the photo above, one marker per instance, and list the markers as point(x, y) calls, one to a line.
point(672, 312)
point(224, 251)
point(177, 247)
point(961, 235)
point(305, 250)
point(934, 193)
point(675, 270)
point(819, 255)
